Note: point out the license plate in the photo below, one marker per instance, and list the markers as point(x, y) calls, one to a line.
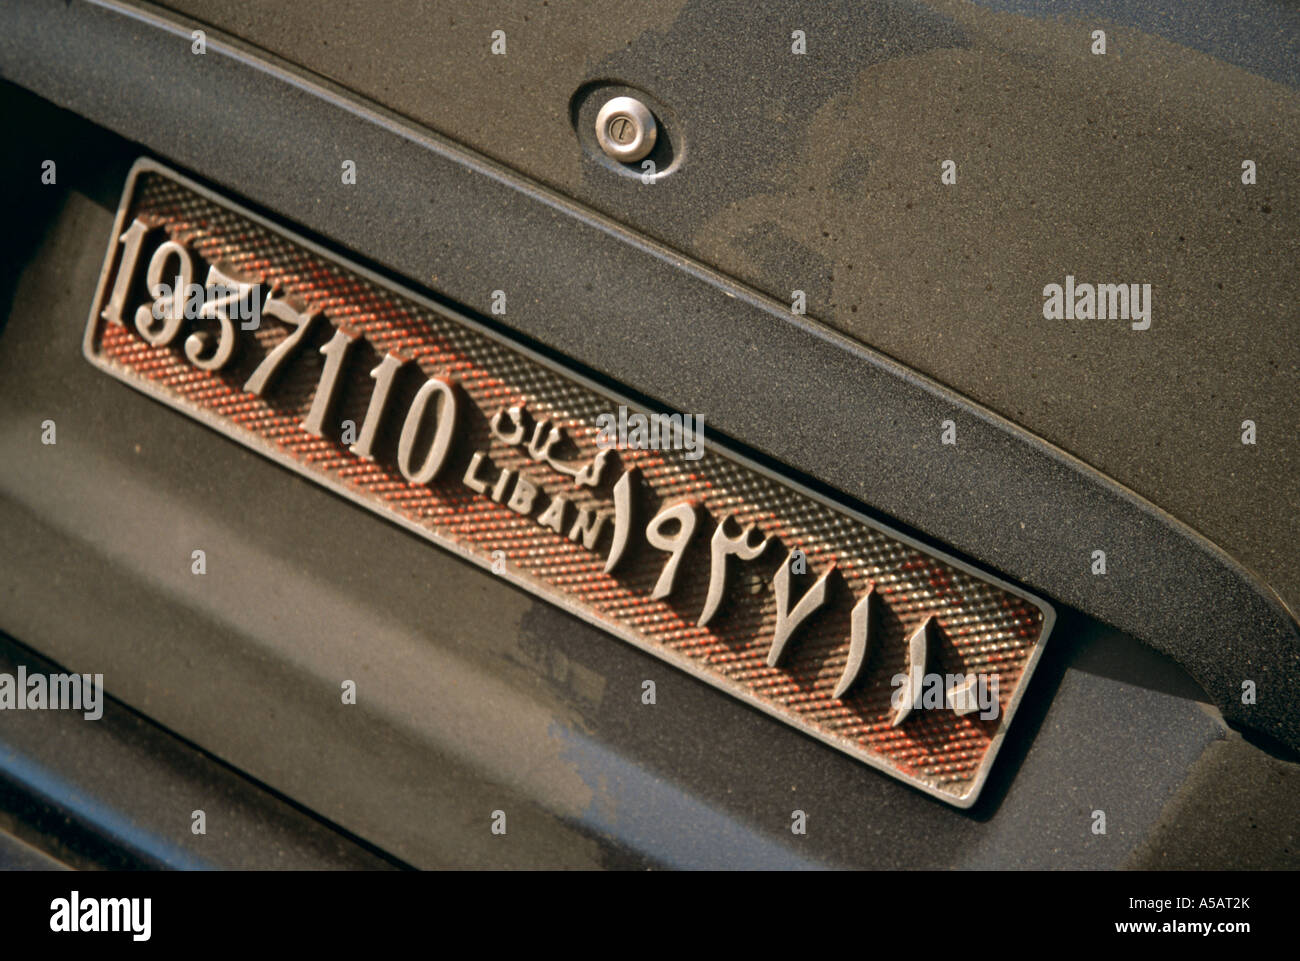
point(895, 653)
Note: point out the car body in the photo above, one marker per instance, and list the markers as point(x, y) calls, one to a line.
point(804, 273)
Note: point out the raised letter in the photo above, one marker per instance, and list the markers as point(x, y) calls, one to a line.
point(684, 514)
point(786, 619)
point(433, 461)
point(724, 545)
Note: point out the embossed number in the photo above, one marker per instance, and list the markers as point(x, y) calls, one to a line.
point(301, 322)
point(217, 308)
point(132, 240)
point(167, 307)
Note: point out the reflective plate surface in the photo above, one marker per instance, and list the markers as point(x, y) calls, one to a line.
point(634, 520)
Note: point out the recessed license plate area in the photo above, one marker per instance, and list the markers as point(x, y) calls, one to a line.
point(902, 657)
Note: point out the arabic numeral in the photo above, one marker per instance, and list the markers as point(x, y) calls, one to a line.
point(132, 239)
point(327, 390)
point(383, 376)
point(302, 321)
point(216, 309)
point(167, 307)
point(441, 443)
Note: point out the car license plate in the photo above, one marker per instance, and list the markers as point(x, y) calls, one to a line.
point(866, 639)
